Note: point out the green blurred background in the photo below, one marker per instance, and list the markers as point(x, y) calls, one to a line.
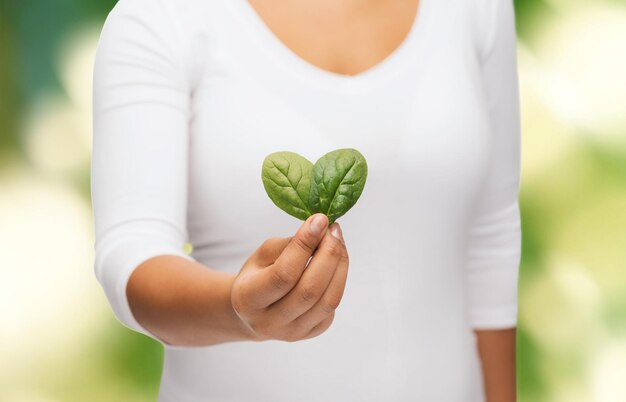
point(59, 340)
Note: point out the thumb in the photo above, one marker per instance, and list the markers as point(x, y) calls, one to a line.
point(279, 278)
point(302, 245)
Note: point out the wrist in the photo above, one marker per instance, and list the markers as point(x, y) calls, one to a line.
point(245, 331)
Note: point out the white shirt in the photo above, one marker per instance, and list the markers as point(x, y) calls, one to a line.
point(191, 95)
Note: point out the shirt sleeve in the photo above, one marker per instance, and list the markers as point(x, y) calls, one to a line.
point(494, 241)
point(140, 147)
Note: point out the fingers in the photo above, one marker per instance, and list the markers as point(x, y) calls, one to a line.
point(328, 303)
point(276, 280)
point(313, 282)
point(320, 328)
point(309, 300)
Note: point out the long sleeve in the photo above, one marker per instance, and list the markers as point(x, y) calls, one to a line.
point(140, 147)
point(494, 248)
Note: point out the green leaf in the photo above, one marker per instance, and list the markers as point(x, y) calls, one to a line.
point(338, 180)
point(287, 180)
point(331, 186)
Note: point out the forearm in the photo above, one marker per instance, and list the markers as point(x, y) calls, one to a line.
point(183, 302)
point(497, 353)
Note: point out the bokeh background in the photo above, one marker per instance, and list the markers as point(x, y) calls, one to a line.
point(59, 340)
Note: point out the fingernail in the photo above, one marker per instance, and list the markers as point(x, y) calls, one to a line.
point(317, 224)
point(335, 230)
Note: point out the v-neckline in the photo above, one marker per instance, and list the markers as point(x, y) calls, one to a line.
point(392, 65)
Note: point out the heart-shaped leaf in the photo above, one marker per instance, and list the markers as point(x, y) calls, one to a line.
point(287, 180)
point(331, 186)
point(337, 182)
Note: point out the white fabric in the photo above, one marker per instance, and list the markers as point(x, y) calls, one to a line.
point(191, 95)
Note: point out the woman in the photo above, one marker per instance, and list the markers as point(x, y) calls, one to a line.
point(191, 95)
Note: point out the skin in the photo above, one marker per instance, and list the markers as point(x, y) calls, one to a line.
point(273, 297)
point(183, 302)
point(497, 354)
point(345, 37)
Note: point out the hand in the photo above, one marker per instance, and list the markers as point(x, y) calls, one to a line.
point(278, 296)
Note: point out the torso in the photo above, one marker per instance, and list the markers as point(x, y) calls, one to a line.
point(415, 109)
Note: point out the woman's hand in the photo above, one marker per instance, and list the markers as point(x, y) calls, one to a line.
point(278, 296)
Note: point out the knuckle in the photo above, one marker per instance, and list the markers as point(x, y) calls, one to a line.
point(334, 249)
point(291, 336)
point(263, 248)
point(322, 326)
point(310, 293)
point(280, 278)
point(269, 243)
point(345, 257)
point(305, 242)
point(283, 313)
point(329, 306)
point(330, 321)
point(266, 249)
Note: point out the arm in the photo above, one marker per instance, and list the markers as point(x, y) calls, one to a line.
point(496, 349)
point(183, 302)
point(141, 109)
point(495, 235)
point(139, 184)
